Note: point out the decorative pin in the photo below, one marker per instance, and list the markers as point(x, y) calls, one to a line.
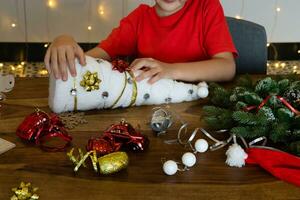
point(73, 92)
point(105, 95)
point(168, 100)
point(146, 96)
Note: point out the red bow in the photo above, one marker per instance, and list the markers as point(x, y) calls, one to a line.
point(117, 136)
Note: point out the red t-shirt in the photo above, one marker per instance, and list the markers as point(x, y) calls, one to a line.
point(196, 32)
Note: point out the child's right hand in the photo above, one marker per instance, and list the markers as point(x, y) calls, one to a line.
point(61, 56)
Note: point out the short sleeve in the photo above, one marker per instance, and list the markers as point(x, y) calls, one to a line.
point(217, 37)
point(122, 40)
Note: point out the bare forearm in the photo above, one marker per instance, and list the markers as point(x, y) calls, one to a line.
point(217, 69)
point(98, 53)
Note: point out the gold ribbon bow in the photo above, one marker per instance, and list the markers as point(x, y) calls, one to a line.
point(90, 81)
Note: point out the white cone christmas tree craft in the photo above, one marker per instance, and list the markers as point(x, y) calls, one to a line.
point(98, 86)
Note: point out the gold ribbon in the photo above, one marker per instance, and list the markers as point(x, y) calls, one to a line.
point(122, 92)
point(134, 90)
point(90, 81)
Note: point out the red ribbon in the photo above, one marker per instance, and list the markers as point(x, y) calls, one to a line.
point(120, 65)
point(118, 136)
point(39, 127)
point(285, 102)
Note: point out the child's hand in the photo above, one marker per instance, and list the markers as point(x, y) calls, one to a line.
point(152, 69)
point(61, 56)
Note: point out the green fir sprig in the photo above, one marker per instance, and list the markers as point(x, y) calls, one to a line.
point(273, 120)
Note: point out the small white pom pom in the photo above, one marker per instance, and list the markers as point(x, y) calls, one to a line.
point(236, 156)
point(201, 145)
point(188, 159)
point(202, 92)
point(170, 167)
point(203, 84)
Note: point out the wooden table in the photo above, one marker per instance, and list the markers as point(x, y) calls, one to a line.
point(210, 178)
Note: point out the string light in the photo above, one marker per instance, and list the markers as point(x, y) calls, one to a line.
point(295, 67)
point(101, 10)
point(283, 65)
point(268, 44)
point(1, 64)
point(298, 51)
point(278, 9)
point(23, 63)
point(89, 28)
point(238, 17)
point(13, 25)
point(52, 3)
point(46, 45)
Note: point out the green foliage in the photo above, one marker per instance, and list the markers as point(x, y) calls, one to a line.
point(294, 147)
point(274, 120)
point(266, 87)
point(219, 95)
point(217, 117)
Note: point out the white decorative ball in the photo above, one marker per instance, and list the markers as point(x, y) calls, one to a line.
point(201, 145)
point(170, 167)
point(203, 84)
point(188, 159)
point(202, 92)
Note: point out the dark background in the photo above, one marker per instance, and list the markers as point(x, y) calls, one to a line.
point(34, 52)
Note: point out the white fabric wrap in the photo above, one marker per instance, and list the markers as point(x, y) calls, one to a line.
point(112, 82)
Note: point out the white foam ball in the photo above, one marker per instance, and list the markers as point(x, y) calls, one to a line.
point(201, 145)
point(202, 92)
point(188, 159)
point(203, 84)
point(170, 167)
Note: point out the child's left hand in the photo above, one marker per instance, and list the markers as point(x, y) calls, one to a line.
point(152, 69)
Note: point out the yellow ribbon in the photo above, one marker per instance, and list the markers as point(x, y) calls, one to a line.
point(90, 81)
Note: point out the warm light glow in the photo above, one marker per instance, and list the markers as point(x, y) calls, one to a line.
point(89, 28)
point(101, 10)
point(19, 67)
point(12, 68)
point(299, 51)
point(276, 65)
point(283, 65)
point(52, 3)
point(46, 45)
point(22, 63)
point(268, 64)
point(268, 44)
point(13, 25)
point(238, 17)
point(278, 9)
point(295, 67)
point(1, 64)
point(43, 72)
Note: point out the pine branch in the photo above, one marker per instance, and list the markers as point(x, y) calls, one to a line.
point(280, 132)
point(245, 81)
point(246, 118)
point(267, 87)
point(250, 132)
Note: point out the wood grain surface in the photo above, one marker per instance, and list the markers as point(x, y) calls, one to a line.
point(210, 178)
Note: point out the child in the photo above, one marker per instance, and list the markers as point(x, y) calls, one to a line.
point(184, 40)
